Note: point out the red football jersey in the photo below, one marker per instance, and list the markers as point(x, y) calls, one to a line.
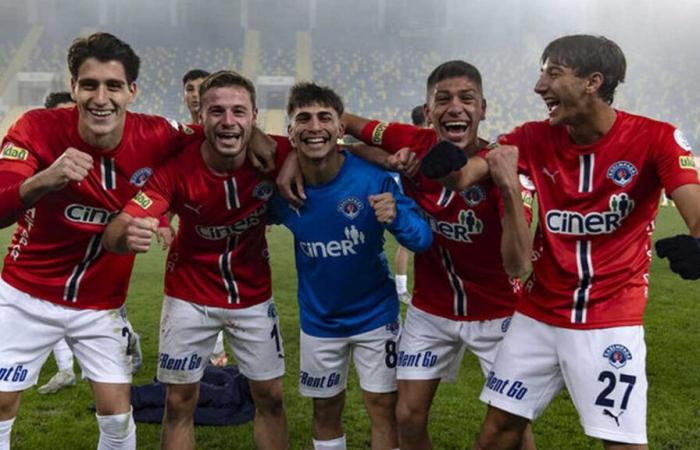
point(597, 205)
point(461, 276)
point(219, 257)
point(56, 252)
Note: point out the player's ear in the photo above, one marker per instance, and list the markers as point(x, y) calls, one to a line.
point(426, 114)
point(483, 109)
point(594, 81)
point(290, 136)
point(133, 90)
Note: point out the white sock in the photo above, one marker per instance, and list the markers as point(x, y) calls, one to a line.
point(333, 444)
point(401, 283)
point(5, 431)
point(117, 432)
point(63, 355)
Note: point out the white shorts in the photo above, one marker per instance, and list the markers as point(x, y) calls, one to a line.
point(603, 370)
point(432, 347)
point(188, 335)
point(323, 371)
point(31, 327)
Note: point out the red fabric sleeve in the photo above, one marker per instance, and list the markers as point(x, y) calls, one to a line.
point(675, 163)
point(10, 201)
point(154, 198)
point(392, 137)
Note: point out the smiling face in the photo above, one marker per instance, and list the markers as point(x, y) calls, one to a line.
point(314, 130)
point(566, 95)
point(228, 117)
point(455, 107)
point(102, 94)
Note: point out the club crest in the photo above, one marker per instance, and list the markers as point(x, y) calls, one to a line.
point(622, 172)
point(617, 355)
point(350, 207)
point(140, 177)
point(263, 191)
point(473, 195)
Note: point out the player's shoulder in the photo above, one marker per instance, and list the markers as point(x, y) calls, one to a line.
point(153, 121)
point(642, 123)
point(46, 119)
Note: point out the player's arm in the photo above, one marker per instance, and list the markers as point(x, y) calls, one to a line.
point(354, 124)
point(404, 161)
point(516, 245)
point(262, 150)
point(126, 233)
point(683, 250)
point(401, 217)
point(450, 166)
point(72, 166)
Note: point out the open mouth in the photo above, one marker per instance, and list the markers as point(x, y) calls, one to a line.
point(315, 141)
point(551, 104)
point(101, 113)
point(455, 129)
point(228, 138)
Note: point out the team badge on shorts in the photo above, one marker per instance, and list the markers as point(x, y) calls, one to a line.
point(271, 311)
point(617, 355)
point(622, 172)
point(263, 190)
point(506, 324)
point(350, 207)
point(140, 177)
point(392, 328)
point(474, 195)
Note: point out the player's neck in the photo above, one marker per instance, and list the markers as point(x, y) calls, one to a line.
point(323, 170)
point(594, 125)
point(221, 164)
point(105, 142)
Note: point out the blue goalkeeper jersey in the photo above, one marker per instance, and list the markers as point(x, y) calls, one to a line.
point(345, 287)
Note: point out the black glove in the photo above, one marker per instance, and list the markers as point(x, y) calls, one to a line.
point(443, 159)
point(683, 251)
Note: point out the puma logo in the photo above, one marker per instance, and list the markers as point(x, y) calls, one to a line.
point(607, 412)
point(551, 175)
point(193, 208)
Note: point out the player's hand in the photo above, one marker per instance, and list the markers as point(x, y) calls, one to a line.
point(165, 236)
point(503, 166)
point(72, 165)
point(139, 233)
point(404, 161)
point(290, 181)
point(443, 159)
point(683, 252)
point(261, 151)
point(384, 206)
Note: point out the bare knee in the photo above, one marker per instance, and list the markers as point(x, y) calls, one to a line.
point(327, 411)
point(411, 416)
point(9, 404)
point(268, 396)
point(181, 400)
point(501, 430)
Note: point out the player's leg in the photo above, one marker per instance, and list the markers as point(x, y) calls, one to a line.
point(177, 432)
point(608, 383)
point(65, 376)
point(401, 275)
point(520, 384)
point(323, 377)
point(187, 335)
point(29, 328)
point(259, 351)
point(100, 340)
point(375, 354)
point(483, 338)
point(429, 348)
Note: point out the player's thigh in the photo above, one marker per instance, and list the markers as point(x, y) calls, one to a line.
point(428, 347)
point(323, 365)
point(29, 328)
point(187, 337)
point(525, 376)
point(257, 345)
point(375, 354)
point(101, 340)
point(607, 381)
point(483, 339)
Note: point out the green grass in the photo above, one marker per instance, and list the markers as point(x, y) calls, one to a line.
point(63, 420)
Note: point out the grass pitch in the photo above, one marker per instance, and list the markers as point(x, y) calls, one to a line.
point(63, 420)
